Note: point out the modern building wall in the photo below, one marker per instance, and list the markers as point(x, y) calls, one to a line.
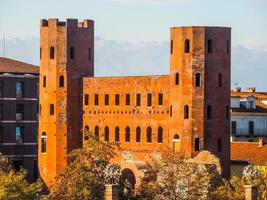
point(19, 116)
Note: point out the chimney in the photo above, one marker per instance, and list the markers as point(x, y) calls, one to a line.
point(261, 141)
point(237, 89)
point(251, 89)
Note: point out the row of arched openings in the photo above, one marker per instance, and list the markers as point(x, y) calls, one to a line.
point(198, 79)
point(61, 81)
point(127, 136)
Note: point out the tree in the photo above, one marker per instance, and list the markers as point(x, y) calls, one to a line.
point(173, 178)
point(84, 177)
point(14, 186)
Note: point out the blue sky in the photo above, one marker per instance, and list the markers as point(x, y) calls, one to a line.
point(140, 20)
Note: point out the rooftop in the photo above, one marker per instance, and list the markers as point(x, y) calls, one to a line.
point(8, 65)
point(250, 152)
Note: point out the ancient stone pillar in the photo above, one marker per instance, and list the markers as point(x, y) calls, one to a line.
point(251, 192)
point(112, 192)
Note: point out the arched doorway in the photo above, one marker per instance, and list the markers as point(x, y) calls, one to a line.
point(176, 143)
point(128, 175)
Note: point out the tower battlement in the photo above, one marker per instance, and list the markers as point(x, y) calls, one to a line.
point(86, 23)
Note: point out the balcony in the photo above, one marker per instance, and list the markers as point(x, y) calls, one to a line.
point(247, 132)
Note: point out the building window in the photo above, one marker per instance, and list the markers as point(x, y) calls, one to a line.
point(227, 112)
point(40, 53)
point(177, 78)
point(219, 145)
point(106, 99)
point(186, 112)
point(186, 46)
point(149, 135)
point(61, 81)
point(160, 99)
point(43, 142)
point(106, 134)
point(44, 81)
point(1, 134)
point(209, 46)
point(170, 111)
point(19, 89)
point(96, 99)
point(251, 127)
point(86, 133)
point(233, 127)
point(52, 111)
point(19, 134)
point(220, 80)
point(209, 112)
point(1, 89)
point(19, 112)
point(117, 134)
point(160, 135)
point(89, 54)
point(52, 52)
point(138, 134)
point(197, 80)
point(171, 46)
point(1, 111)
point(227, 47)
point(197, 144)
point(127, 134)
point(71, 52)
point(138, 99)
point(117, 99)
point(149, 99)
point(127, 99)
point(97, 133)
point(86, 99)
point(176, 143)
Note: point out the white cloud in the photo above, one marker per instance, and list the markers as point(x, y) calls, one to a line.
point(153, 2)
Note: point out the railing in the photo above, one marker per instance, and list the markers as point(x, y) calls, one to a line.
point(244, 131)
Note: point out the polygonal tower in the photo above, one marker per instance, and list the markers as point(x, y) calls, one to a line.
point(66, 55)
point(200, 91)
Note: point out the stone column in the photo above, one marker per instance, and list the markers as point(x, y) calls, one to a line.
point(112, 192)
point(251, 192)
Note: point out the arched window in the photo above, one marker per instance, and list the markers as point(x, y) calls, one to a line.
point(177, 78)
point(209, 112)
point(52, 111)
point(44, 81)
point(40, 53)
point(61, 81)
point(43, 142)
point(176, 143)
point(160, 135)
point(186, 46)
point(197, 79)
point(219, 145)
point(71, 52)
point(97, 133)
point(117, 134)
point(227, 112)
point(149, 135)
point(220, 81)
point(171, 46)
point(86, 132)
point(52, 53)
point(106, 134)
point(210, 46)
point(127, 134)
point(138, 134)
point(197, 144)
point(186, 112)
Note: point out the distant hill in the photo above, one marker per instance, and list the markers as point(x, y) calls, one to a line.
point(249, 66)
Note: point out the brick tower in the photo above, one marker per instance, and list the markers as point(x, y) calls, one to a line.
point(200, 91)
point(66, 55)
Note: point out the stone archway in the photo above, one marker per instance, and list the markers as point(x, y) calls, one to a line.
point(176, 143)
point(127, 174)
